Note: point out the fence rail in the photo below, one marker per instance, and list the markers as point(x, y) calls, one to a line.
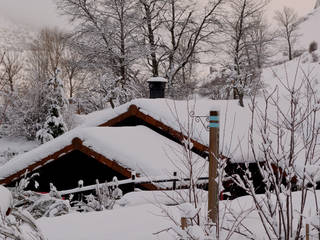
point(138, 180)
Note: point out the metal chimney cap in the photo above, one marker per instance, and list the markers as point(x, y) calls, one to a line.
point(157, 79)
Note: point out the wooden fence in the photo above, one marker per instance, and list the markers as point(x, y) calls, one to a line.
point(164, 182)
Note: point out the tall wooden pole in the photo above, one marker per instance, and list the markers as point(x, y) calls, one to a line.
point(213, 204)
point(307, 232)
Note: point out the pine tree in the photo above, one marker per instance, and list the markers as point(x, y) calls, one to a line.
point(55, 103)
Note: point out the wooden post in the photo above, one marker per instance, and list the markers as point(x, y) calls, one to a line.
point(213, 204)
point(174, 185)
point(133, 178)
point(307, 232)
point(80, 185)
point(183, 223)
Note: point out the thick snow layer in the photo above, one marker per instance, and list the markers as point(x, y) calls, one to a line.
point(137, 148)
point(234, 120)
point(5, 200)
point(142, 221)
point(160, 197)
point(135, 223)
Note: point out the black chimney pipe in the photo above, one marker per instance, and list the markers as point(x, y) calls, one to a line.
point(157, 86)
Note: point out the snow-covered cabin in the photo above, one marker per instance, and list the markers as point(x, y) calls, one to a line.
point(144, 135)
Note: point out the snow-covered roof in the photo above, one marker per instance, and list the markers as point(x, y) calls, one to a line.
point(236, 141)
point(234, 120)
point(136, 148)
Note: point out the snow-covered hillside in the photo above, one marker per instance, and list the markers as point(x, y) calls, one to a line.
point(308, 29)
point(301, 68)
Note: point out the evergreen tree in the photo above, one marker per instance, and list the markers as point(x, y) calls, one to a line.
point(55, 103)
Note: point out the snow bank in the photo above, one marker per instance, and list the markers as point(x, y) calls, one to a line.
point(160, 197)
point(136, 223)
point(5, 200)
point(142, 221)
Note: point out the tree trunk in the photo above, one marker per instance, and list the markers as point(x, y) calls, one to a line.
point(153, 55)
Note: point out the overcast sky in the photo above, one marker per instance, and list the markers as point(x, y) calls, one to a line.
point(40, 13)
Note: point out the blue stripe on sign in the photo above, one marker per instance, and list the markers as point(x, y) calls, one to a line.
point(214, 118)
point(214, 125)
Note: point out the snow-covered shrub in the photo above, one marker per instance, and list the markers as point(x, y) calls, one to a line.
point(228, 83)
point(313, 46)
point(105, 197)
point(13, 221)
point(47, 206)
point(37, 204)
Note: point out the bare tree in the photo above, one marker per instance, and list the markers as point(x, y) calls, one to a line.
point(186, 30)
point(243, 30)
point(46, 54)
point(73, 71)
point(106, 38)
point(287, 28)
point(12, 66)
point(152, 12)
point(260, 40)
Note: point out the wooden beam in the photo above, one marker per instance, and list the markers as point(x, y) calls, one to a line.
point(33, 166)
point(131, 112)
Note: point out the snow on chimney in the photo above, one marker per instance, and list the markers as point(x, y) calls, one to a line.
point(157, 86)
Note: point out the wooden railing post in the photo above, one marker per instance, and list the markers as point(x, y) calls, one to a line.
point(174, 185)
point(80, 185)
point(183, 223)
point(213, 204)
point(133, 178)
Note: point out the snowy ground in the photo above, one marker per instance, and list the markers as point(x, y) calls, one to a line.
point(12, 146)
point(142, 221)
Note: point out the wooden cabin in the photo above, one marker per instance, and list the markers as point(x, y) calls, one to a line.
point(86, 153)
